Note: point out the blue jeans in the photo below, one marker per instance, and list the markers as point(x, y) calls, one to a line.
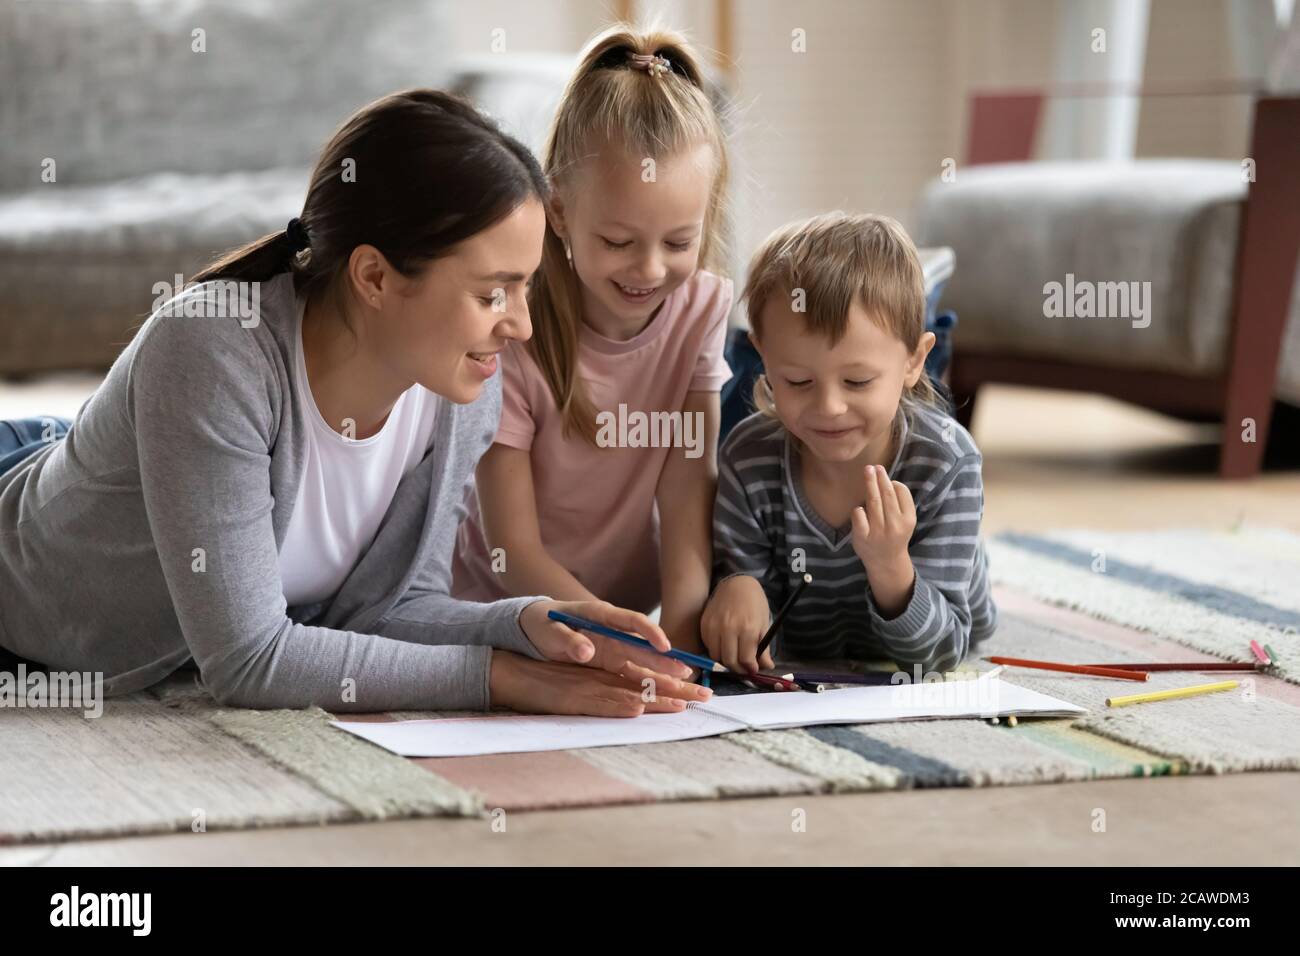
point(20, 438)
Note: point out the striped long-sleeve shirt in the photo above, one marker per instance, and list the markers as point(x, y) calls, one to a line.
point(764, 526)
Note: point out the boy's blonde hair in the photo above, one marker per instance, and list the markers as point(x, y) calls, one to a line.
point(833, 259)
point(650, 114)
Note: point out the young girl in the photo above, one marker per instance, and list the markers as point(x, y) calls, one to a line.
point(273, 496)
point(851, 471)
point(579, 497)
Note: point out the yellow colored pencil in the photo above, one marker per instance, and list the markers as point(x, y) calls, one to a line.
point(1171, 694)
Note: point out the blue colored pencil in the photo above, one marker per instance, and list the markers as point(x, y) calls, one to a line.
point(686, 657)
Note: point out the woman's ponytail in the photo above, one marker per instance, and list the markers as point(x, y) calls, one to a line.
point(255, 262)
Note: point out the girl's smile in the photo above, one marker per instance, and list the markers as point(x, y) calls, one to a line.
point(634, 295)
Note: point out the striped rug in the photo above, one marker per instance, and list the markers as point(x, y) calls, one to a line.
point(167, 758)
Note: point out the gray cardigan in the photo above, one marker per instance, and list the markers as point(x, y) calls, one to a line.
point(195, 440)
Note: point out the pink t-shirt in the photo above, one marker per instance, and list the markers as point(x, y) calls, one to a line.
point(596, 505)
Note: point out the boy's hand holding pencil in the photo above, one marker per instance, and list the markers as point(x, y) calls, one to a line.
point(734, 622)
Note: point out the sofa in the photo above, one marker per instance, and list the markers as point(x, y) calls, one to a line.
point(175, 131)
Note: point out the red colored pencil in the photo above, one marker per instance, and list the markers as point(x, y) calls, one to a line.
point(1209, 666)
point(1114, 672)
point(766, 680)
point(762, 680)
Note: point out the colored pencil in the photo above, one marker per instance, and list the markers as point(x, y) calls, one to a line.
point(1070, 668)
point(780, 615)
point(1211, 666)
point(777, 683)
point(582, 624)
point(829, 677)
point(1259, 652)
point(762, 680)
point(1171, 694)
point(1272, 654)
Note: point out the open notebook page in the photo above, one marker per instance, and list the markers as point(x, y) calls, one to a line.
point(509, 733)
point(989, 697)
point(513, 733)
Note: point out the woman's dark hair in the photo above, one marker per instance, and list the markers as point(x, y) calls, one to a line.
point(411, 174)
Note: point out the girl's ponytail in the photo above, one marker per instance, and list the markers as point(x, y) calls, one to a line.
point(554, 302)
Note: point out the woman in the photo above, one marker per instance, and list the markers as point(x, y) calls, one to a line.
point(269, 481)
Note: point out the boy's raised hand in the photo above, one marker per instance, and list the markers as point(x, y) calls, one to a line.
point(733, 623)
point(884, 526)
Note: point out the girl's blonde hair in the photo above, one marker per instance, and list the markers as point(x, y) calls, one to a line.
point(828, 261)
point(649, 113)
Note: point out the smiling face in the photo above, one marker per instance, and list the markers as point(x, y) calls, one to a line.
point(448, 323)
point(633, 242)
point(839, 401)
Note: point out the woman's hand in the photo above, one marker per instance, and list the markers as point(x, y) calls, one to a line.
point(547, 687)
point(734, 622)
point(637, 667)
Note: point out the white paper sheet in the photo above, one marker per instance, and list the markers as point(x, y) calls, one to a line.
point(508, 733)
point(989, 697)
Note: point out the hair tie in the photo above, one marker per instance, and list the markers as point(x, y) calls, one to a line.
point(651, 63)
point(296, 233)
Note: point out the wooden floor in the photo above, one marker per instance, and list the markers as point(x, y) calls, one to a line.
point(1051, 460)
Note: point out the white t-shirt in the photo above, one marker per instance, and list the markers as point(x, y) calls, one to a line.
point(347, 486)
